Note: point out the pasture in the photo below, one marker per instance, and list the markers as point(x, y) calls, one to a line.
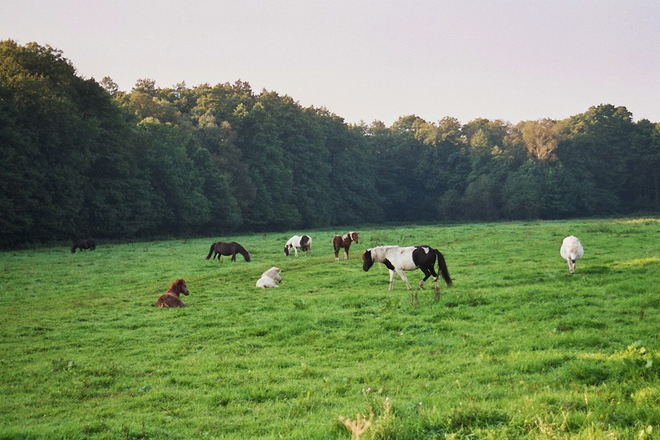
point(518, 348)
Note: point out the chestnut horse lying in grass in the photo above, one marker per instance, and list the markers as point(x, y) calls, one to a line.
point(171, 297)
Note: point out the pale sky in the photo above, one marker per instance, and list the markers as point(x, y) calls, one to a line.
point(370, 60)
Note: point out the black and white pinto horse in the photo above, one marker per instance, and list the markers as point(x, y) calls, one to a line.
point(344, 241)
point(399, 259)
point(303, 242)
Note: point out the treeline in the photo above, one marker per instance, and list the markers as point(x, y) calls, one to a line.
point(82, 158)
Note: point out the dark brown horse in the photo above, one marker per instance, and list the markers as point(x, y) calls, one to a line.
point(82, 245)
point(344, 241)
point(171, 297)
point(221, 248)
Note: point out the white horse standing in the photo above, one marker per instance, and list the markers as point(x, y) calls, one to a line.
point(399, 259)
point(270, 278)
point(303, 242)
point(571, 251)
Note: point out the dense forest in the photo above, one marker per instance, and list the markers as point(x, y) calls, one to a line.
point(83, 159)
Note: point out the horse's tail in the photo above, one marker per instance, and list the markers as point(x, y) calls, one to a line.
point(210, 251)
point(442, 265)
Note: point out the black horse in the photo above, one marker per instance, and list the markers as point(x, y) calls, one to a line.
point(221, 248)
point(82, 245)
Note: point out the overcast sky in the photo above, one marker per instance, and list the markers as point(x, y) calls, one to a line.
point(373, 59)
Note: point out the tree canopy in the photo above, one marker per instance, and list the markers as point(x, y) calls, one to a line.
point(84, 159)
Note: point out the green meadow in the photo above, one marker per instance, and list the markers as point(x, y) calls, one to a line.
point(517, 349)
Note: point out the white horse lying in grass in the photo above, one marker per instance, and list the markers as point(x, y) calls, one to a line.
point(270, 278)
point(398, 259)
point(303, 242)
point(571, 251)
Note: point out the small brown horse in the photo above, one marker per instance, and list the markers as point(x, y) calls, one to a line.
point(171, 297)
point(221, 248)
point(82, 245)
point(344, 242)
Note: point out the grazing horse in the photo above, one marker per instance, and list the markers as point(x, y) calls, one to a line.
point(571, 251)
point(398, 259)
point(344, 241)
point(82, 245)
point(270, 278)
point(171, 297)
point(295, 242)
point(221, 248)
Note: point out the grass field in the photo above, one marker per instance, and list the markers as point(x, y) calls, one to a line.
point(518, 348)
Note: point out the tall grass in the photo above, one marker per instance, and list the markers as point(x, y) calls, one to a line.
point(518, 348)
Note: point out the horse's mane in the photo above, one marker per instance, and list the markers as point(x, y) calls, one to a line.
point(176, 285)
point(272, 272)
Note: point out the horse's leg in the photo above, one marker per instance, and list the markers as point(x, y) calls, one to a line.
point(404, 278)
point(336, 253)
point(233, 256)
point(391, 279)
point(427, 274)
point(436, 289)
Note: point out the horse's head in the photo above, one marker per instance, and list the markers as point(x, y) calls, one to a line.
point(275, 273)
point(368, 261)
point(247, 257)
point(354, 236)
point(286, 250)
point(180, 286)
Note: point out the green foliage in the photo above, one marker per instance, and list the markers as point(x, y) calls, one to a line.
point(523, 193)
point(83, 159)
point(517, 349)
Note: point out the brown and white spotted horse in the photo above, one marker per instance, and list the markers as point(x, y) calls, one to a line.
point(303, 242)
point(398, 259)
point(344, 241)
